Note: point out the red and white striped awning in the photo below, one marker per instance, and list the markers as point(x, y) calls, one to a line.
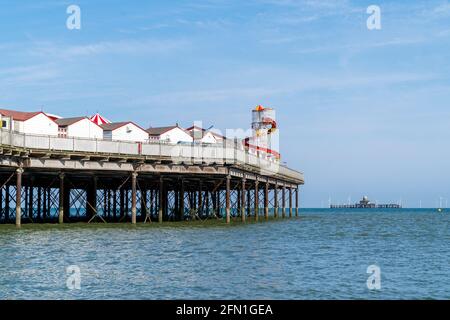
point(99, 120)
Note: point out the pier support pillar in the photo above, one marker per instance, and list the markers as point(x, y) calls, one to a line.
point(200, 199)
point(144, 201)
point(283, 202)
point(290, 203)
point(275, 209)
point(121, 203)
point(181, 201)
point(91, 199)
point(115, 204)
point(249, 202)
point(218, 212)
point(66, 199)
point(39, 202)
point(207, 203)
point(30, 199)
point(238, 200)
point(160, 200)
point(256, 200)
point(296, 202)
point(227, 200)
point(266, 201)
point(1, 202)
point(61, 198)
point(243, 201)
point(133, 197)
point(7, 203)
point(19, 172)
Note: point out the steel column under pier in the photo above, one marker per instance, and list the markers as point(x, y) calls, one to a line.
point(160, 200)
point(290, 203)
point(243, 201)
point(275, 209)
point(227, 201)
point(133, 197)
point(61, 198)
point(266, 201)
point(256, 200)
point(18, 196)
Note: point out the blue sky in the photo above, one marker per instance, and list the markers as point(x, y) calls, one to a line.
point(360, 112)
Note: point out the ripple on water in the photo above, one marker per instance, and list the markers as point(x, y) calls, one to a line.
point(323, 255)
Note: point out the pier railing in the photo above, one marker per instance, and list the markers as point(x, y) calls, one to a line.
point(230, 152)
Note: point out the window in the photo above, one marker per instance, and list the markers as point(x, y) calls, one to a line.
point(4, 124)
point(62, 132)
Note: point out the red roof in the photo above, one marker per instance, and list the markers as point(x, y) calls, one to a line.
point(99, 120)
point(19, 115)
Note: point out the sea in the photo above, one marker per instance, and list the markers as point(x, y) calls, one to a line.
point(323, 254)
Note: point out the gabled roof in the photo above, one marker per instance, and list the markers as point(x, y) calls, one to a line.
point(20, 115)
point(116, 125)
point(160, 130)
point(64, 122)
point(68, 121)
point(193, 128)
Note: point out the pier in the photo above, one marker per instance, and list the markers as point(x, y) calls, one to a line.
point(49, 179)
point(366, 204)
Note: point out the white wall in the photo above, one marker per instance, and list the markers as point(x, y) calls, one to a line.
point(17, 125)
point(176, 135)
point(208, 137)
point(129, 132)
point(40, 124)
point(85, 129)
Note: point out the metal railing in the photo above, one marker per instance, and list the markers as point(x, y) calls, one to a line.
point(229, 152)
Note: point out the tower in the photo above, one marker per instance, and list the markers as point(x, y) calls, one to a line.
point(265, 137)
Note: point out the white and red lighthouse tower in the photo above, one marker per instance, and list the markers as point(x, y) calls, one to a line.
point(265, 136)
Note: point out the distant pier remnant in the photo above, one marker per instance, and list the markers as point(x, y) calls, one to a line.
point(365, 204)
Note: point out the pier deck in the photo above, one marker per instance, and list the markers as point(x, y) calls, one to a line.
point(51, 179)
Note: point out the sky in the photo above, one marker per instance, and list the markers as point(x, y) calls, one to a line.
point(360, 112)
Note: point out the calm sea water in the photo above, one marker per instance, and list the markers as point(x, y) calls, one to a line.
point(322, 255)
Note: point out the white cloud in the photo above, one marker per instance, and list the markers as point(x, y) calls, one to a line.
point(280, 85)
point(363, 46)
point(135, 47)
point(442, 10)
point(26, 75)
